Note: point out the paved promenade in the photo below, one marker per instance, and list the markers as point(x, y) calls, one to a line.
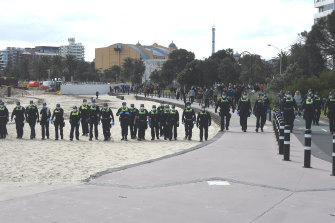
point(238, 178)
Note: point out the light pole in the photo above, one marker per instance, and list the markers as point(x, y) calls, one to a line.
point(280, 56)
point(237, 57)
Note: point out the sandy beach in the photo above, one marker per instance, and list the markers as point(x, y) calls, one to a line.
point(54, 162)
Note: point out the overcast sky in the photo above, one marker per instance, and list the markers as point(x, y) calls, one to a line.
point(240, 24)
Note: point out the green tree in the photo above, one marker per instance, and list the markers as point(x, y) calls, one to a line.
point(70, 64)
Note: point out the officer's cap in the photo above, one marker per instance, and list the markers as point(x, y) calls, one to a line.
point(154, 106)
point(124, 103)
point(132, 105)
point(58, 105)
point(188, 103)
point(167, 106)
point(244, 93)
point(203, 106)
point(2, 103)
point(260, 94)
point(31, 102)
point(142, 105)
point(44, 104)
point(85, 100)
point(173, 106)
point(18, 103)
point(105, 104)
point(74, 107)
point(93, 100)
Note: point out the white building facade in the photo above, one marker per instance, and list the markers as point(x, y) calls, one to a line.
point(75, 49)
point(150, 66)
point(324, 7)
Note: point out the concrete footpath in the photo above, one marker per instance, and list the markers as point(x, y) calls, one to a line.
point(238, 178)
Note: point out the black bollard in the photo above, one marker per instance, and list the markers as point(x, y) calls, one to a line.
point(287, 142)
point(308, 143)
point(333, 174)
point(281, 137)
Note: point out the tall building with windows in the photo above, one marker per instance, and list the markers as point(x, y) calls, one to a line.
point(75, 49)
point(10, 55)
point(324, 7)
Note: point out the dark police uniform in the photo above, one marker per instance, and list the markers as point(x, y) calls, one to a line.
point(32, 116)
point(330, 105)
point(188, 118)
point(260, 110)
point(309, 110)
point(124, 120)
point(19, 113)
point(164, 122)
point(133, 127)
point(154, 119)
point(45, 117)
point(244, 109)
point(4, 118)
point(94, 120)
point(85, 115)
point(106, 116)
point(225, 104)
point(74, 122)
point(141, 122)
point(58, 114)
point(173, 123)
point(203, 121)
point(288, 106)
point(317, 106)
point(161, 110)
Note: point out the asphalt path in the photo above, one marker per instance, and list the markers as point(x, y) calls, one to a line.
point(322, 147)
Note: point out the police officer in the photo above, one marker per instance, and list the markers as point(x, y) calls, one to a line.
point(309, 109)
point(74, 122)
point(203, 121)
point(32, 116)
point(267, 103)
point(244, 110)
point(173, 122)
point(84, 111)
point(141, 122)
point(94, 120)
point(58, 120)
point(225, 104)
point(188, 119)
point(161, 110)
point(45, 118)
point(164, 121)
point(259, 111)
point(154, 122)
point(133, 112)
point(107, 119)
point(19, 113)
point(317, 106)
point(330, 105)
point(289, 109)
point(4, 118)
point(124, 114)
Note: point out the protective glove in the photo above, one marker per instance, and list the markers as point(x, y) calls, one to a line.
point(127, 113)
point(194, 122)
point(237, 112)
point(282, 113)
point(11, 120)
point(78, 122)
point(99, 123)
point(121, 113)
point(134, 122)
point(268, 111)
point(148, 123)
point(87, 120)
point(52, 121)
point(182, 123)
point(252, 112)
point(296, 112)
point(159, 123)
point(112, 123)
point(48, 119)
point(166, 123)
point(177, 122)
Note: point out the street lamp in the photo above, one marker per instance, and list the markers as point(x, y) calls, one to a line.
point(237, 57)
point(280, 56)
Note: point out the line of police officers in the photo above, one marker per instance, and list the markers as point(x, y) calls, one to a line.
point(163, 121)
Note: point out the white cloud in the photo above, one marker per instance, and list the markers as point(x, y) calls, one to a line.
point(240, 24)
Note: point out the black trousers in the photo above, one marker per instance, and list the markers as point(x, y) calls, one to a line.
point(124, 128)
point(260, 120)
point(244, 121)
point(133, 129)
point(188, 129)
point(154, 131)
point(19, 128)
point(207, 103)
point(202, 128)
point(59, 125)
point(173, 127)
point(316, 117)
point(289, 119)
point(84, 126)
point(3, 128)
point(95, 125)
point(166, 129)
point(308, 121)
point(32, 124)
point(161, 128)
point(74, 127)
point(106, 128)
point(142, 126)
point(224, 116)
point(331, 117)
point(45, 129)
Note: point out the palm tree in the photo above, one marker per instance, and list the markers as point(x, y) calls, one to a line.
point(57, 65)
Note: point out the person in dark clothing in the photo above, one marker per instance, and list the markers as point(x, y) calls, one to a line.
point(141, 122)
point(45, 118)
point(173, 122)
point(329, 110)
point(32, 116)
point(203, 122)
point(124, 114)
point(58, 120)
point(94, 120)
point(289, 110)
point(309, 110)
point(19, 113)
point(259, 111)
point(224, 104)
point(207, 96)
point(317, 105)
point(4, 118)
point(244, 110)
point(189, 120)
point(74, 122)
point(267, 104)
point(161, 110)
point(164, 121)
point(132, 115)
point(84, 111)
point(154, 121)
point(107, 119)
point(97, 94)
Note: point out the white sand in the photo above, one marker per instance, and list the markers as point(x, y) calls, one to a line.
point(50, 161)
